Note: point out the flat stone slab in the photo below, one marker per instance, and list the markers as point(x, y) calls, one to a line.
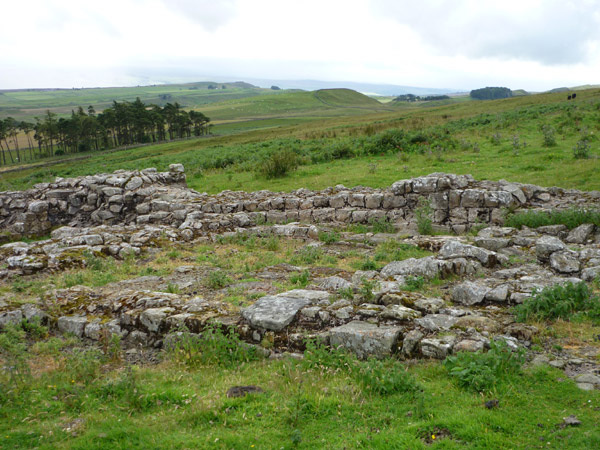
point(366, 339)
point(275, 312)
point(437, 322)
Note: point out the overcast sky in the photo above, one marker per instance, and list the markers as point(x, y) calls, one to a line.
point(460, 44)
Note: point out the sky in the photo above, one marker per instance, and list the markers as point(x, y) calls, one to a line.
point(456, 44)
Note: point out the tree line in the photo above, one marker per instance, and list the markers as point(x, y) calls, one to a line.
point(491, 93)
point(416, 98)
point(121, 124)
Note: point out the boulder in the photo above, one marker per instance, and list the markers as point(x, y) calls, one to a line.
point(152, 318)
point(399, 312)
point(469, 293)
point(410, 346)
point(366, 339)
point(72, 324)
point(428, 267)
point(546, 245)
point(581, 234)
point(437, 348)
point(10, 317)
point(436, 322)
point(334, 283)
point(455, 249)
point(565, 261)
point(275, 312)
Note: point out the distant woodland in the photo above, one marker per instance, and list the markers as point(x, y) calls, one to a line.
point(122, 124)
point(491, 93)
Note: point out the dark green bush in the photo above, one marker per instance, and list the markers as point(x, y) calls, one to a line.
point(560, 302)
point(279, 164)
point(482, 372)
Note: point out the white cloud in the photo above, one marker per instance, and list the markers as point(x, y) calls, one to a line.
point(547, 31)
point(460, 44)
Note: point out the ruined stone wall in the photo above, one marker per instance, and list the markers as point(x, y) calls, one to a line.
point(96, 199)
point(149, 197)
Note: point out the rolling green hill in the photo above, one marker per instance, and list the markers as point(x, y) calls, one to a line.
point(322, 103)
point(28, 103)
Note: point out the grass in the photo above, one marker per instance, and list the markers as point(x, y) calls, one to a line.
point(339, 149)
point(78, 401)
point(571, 218)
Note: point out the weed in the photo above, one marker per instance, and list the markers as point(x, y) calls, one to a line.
point(329, 237)
point(414, 283)
point(347, 293)
point(307, 255)
point(571, 218)
point(366, 289)
point(172, 288)
point(381, 225)
point(560, 301)
point(279, 164)
point(301, 279)
point(582, 149)
point(379, 377)
point(13, 350)
point(549, 136)
point(218, 280)
point(423, 216)
point(496, 139)
point(483, 372)
point(212, 347)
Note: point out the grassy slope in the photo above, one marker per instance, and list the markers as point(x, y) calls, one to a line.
point(25, 104)
point(323, 103)
point(521, 116)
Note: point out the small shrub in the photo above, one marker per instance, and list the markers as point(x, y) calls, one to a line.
point(367, 264)
point(423, 216)
point(172, 288)
point(560, 302)
point(272, 243)
point(549, 137)
point(582, 149)
point(366, 289)
point(307, 255)
point(329, 237)
point(279, 164)
point(381, 225)
point(218, 280)
point(482, 372)
point(301, 279)
point(414, 283)
point(347, 293)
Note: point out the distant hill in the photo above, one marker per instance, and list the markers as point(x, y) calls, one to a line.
point(366, 88)
point(520, 93)
point(321, 103)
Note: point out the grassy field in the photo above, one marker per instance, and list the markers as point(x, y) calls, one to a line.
point(58, 392)
point(26, 104)
point(493, 140)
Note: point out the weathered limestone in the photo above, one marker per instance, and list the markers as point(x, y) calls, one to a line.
point(277, 311)
point(366, 339)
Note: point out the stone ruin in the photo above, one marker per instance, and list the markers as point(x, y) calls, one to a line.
point(128, 212)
